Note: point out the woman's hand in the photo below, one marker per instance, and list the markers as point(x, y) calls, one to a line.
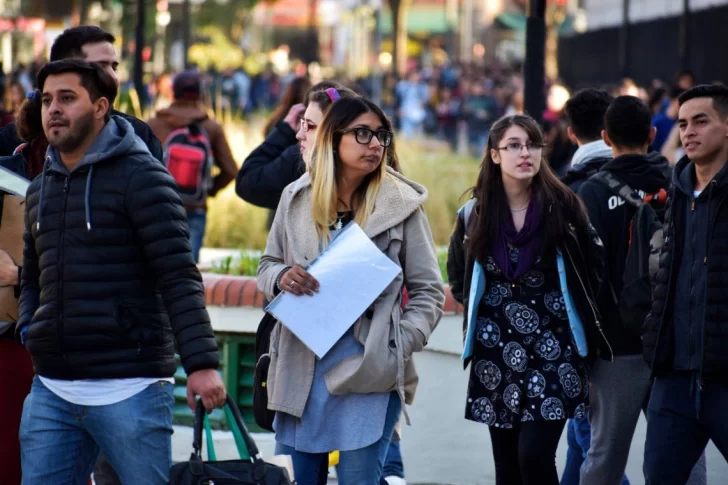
point(293, 118)
point(298, 282)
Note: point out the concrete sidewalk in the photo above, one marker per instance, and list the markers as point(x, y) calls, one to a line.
point(441, 447)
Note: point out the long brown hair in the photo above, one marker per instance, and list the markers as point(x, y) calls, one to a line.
point(29, 124)
point(559, 205)
point(295, 93)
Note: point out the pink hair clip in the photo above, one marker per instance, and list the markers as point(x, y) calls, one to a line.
point(333, 94)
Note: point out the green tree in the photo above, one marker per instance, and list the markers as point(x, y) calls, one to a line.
point(228, 15)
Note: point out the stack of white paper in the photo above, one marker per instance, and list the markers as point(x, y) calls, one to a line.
point(352, 273)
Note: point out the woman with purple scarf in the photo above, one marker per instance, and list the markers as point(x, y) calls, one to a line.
point(526, 265)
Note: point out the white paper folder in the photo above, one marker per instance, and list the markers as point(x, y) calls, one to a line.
point(352, 273)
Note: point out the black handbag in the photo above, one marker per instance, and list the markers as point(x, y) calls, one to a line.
point(252, 471)
point(263, 416)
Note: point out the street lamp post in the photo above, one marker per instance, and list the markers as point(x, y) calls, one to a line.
point(377, 77)
point(186, 35)
point(138, 57)
point(534, 67)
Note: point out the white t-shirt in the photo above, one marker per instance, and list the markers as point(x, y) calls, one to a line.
point(99, 392)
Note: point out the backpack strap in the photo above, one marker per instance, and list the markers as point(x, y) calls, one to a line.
point(616, 186)
point(467, 211)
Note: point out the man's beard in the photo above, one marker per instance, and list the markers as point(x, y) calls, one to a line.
point(78, 131)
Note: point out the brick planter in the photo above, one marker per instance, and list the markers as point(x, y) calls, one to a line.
point(242, 291)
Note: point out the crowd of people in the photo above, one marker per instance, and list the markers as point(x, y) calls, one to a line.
point(593, 289)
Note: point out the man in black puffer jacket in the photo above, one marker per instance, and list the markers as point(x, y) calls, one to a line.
point(108, 286)
point(686, 334)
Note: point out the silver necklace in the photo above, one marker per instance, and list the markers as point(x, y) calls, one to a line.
point(519, 210)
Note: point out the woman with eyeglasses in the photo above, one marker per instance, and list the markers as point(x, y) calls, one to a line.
point(350, 399)
point(526, 264)
point(278, 160)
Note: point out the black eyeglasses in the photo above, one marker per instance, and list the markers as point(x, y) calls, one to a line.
point(364, 136)
point(517, 147)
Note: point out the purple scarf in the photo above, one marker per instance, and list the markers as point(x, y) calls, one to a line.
point(527, 242)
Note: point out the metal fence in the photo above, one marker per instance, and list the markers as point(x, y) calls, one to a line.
point(653, 51)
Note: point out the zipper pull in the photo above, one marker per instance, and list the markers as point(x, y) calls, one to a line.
point(692, 206)
point(65, 185)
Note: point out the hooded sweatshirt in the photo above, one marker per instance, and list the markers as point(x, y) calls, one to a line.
point(182, 114)
point(590, 151)
point(611, 217)
point(108, 281)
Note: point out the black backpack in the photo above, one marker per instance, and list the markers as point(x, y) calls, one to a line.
point(643, 253)
point(188, 157)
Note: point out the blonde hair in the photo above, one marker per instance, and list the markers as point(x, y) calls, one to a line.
point(325, 167)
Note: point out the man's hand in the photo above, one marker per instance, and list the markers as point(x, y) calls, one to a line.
point(8, 270)
point(207, 384)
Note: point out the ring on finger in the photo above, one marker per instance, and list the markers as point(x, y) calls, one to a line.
point(292, 284)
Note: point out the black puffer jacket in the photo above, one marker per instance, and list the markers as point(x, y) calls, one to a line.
point(584, 261)
point(108, 280)
point(270, 168)
point(9, 140)
point(658, 337)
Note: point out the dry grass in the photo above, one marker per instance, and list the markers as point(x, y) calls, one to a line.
point(233, 223)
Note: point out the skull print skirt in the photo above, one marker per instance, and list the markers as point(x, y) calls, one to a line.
point(525, 366)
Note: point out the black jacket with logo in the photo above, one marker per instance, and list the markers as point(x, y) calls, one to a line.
point(611, 217)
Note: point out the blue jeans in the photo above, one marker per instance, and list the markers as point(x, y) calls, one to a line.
point(197, 219)
point(393, 466)
point(578, 437)
point(356, 467)
point(60, 441)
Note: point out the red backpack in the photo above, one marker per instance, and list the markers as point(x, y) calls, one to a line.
point(188, 157)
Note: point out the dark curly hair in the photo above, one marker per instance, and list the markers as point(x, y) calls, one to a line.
point(586, 110)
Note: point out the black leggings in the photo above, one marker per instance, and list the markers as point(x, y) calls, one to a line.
point(526, 454)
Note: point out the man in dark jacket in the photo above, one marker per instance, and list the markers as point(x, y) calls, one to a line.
point(686, 334)
point(585, 112)
point(92, 44)
point(620, 387)
point(108, 288)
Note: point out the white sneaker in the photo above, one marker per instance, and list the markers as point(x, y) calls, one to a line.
point(395, 480)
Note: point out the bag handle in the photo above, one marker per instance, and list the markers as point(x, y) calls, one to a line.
point(247, 449)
